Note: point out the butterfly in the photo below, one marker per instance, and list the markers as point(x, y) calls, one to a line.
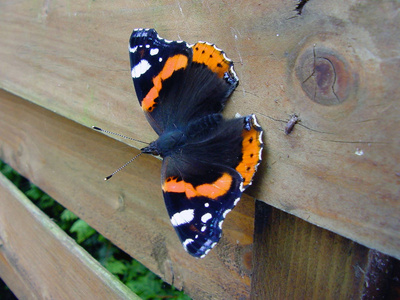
point(208, 161)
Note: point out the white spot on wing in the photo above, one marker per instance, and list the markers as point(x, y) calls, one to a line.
point(154, 51)
point(205, 253)
point(187, 242)
point(236, 201)
point(133, 50)
point(255, 120)
point(140, 68)
point(226, 212)
point(241, 188)
point(206, 204)
point(206, 217)
point(220, 224)
point(260, 137)
point(182, 217)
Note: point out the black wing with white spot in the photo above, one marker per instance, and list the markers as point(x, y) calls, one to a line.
point(203, 180)
point(177, 83)
point(153, 62)
point(197, 211)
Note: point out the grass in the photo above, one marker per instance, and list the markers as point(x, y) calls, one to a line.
point(133, 274)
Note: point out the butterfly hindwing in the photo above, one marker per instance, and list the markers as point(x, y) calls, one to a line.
point(198, 211)
point(204, 180)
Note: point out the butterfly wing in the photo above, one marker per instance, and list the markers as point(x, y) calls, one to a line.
point(176, 82)
point(205, 180)
point(197, 211)
point(207, 84)
point(154, 61)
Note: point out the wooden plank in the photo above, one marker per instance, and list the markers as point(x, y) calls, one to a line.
point(336, 66)
point(296, 260)
point(39, 261)
point(381, 277)
point(69, 162)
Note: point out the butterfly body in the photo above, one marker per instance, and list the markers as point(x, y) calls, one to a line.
point(207, 161)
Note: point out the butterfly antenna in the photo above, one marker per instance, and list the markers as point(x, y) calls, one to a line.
point(120, 168)
point(118, 134)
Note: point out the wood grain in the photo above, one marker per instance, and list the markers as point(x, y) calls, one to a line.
point(336, 66)
point(296, 260)
point(39, 261)
point(69, 162)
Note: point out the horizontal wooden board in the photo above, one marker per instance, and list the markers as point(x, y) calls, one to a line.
point(40, 261)
point(335, 65)
point(69, 162)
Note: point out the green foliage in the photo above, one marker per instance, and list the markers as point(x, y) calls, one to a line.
point(147, 285)
point(68, 216)
point(82, 229)
point(136, 276)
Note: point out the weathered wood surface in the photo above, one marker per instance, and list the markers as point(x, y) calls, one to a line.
point(39, 261)
point(293, 259)
point(69, 162)
point(336, 65)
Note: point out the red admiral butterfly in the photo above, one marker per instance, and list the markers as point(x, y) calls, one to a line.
point(208, 161)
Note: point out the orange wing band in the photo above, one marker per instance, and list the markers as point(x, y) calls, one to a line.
point(212, 57)
point(251, 150)
point(210, 190)
point(172, 64)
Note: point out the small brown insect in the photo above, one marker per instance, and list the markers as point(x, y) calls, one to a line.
point(290, 124)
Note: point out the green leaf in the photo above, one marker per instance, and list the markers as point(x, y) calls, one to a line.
point(115, 266)
point(34, 192)
point(82, 229)
point(45, 201)
point(68, 215)
point(7, 171)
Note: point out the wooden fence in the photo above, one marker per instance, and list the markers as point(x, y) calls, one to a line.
point(327, 221)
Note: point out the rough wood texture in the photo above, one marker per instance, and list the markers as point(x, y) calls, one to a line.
point(39, 261)
point(69, 162)
point(336, 66)
point(296, 260)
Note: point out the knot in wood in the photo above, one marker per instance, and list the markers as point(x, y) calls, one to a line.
point(324, 76)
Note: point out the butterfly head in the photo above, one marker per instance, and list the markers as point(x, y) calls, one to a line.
point(151, 149)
